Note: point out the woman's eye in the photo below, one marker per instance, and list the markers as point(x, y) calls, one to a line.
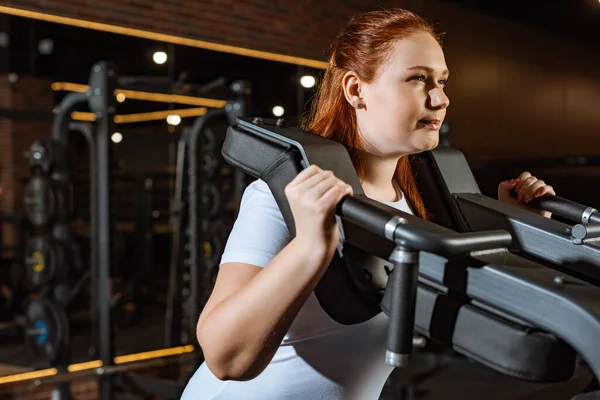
point(443, 82)
point(421, 78)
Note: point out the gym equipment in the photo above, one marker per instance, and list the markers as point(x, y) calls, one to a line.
point(451, 193)
point(216, 237)
point(211, 200)
point(44, 199)
point(47, 331)
point(210, 164)
point(46, 261)
point(47, 155)
point(502, 310)
point(199, 203)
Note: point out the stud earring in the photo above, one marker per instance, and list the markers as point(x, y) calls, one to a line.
point(360, 105)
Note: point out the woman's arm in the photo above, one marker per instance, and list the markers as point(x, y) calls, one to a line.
point(252, 308)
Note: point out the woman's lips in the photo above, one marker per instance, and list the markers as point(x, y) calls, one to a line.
point(433, 124)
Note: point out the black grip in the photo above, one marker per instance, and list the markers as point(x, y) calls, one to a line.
point(418, 237)
point(370, 218)
point(404, 279)
point(564, 208)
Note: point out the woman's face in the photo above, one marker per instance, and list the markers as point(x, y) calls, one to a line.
point(405, 105)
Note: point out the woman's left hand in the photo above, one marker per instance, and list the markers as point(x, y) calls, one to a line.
point(527, 187)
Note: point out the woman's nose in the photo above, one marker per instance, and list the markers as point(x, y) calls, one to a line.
point(438, 99)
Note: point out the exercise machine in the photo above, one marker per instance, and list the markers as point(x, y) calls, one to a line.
point(571, 245)
point(462, 289)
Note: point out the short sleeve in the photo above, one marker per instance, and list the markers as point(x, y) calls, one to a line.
point(260, 232)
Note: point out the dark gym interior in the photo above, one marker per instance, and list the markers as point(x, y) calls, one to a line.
point(116, 201)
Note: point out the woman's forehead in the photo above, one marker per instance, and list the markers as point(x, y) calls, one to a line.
point(420, 49)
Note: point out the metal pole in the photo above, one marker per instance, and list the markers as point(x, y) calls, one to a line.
point(103, 103)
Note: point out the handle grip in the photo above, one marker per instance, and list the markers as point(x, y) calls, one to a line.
point(566, 208)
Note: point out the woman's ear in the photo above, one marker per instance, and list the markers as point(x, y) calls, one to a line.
point(353, 89)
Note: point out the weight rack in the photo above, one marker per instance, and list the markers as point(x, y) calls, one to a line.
point(190, 261)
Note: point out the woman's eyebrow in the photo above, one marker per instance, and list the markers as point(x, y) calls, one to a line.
point(428, 69)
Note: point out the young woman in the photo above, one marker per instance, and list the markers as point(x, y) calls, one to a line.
point(263, 333)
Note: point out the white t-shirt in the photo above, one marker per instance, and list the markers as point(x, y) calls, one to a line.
point(318, 357)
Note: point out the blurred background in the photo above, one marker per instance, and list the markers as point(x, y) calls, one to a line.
point(524, 91)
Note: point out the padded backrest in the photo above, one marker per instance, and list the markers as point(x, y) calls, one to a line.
point(439, 174)
point(277, 164)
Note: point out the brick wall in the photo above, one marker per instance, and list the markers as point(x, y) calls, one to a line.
point(28, 95)
point(515, 91)
point(31, 98)
point(299, 28)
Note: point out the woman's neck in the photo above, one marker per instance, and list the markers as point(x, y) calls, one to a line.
point(378, 180)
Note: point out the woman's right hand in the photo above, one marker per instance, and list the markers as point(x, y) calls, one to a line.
point(313, 196)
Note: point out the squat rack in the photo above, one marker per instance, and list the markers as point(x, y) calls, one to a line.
point(102, 103)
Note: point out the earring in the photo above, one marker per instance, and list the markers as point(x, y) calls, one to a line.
point(360, 105)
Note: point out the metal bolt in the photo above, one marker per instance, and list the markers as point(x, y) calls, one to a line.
point(280, 122)
point(99, 371)
point(236, 106)
point(257, 121)
point(419, 342)
point(97, 68)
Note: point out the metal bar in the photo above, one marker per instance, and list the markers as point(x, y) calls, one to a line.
point(52, 376)
point(88, 133)
point(102, 102)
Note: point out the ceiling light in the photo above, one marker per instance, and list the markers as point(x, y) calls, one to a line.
point(159, 57)
point(116, 137)
point(174, 120)
point(278, 111)
point(307, 81)
point(46, 46)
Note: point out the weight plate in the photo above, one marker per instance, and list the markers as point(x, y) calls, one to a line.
point(216, 237)
point(40, 201)
point(45, 261)
point(47, 331)
point(209, 164)
point(208, 140)
point(211, 201)
point(45, 154)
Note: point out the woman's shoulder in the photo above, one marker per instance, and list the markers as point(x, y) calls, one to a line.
point(259, 186)
point(258, 195)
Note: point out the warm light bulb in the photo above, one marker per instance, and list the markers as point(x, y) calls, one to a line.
point(116, 137)
point(278, 111)
point(160, 57)
point(174, 120)
point(307, 81)
point(121, 97)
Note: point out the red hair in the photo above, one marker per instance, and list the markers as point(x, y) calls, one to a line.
point(363, 47)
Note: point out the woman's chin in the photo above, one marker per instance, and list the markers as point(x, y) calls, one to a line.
point(427, 143)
